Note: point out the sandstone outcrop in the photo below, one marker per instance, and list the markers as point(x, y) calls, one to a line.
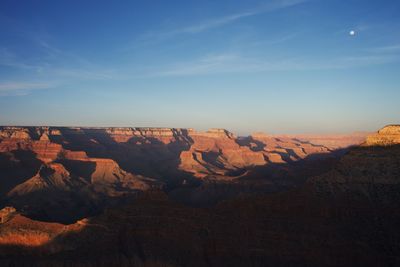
point(51, 176)
point(217, 152)
point(28, 233)
point(14, 133)
point(78, 165)
point(346, 216)
point(108, 172)
point(389, 135)
point(6, 214)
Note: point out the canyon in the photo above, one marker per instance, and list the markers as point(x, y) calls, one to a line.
point(177, 197)
point(76, 172)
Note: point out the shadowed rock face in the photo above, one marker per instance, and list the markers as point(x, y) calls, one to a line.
point(370, 171)
point(344, 217)
point(65, 173)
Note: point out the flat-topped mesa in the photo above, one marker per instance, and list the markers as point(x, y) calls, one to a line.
point(107, 170)
point(214, 133)
point(160, 132)
point(260, 135)
point(388, 135)
point(123, 134)
point(143, 131)
point(164, 134)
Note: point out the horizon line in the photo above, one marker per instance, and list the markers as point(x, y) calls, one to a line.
point(202, 131)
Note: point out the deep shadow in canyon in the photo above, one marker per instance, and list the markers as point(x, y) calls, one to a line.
point(327, 209)
point(314, 224)
point(152, 158)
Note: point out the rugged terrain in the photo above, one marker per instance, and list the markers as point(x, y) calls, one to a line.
point(64, 174)
point(346, 216)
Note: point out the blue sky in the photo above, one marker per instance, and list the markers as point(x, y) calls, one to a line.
point(278, 66)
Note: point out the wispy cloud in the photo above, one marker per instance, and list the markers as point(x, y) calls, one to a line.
point(211, 23)
point(234, 63)
point(9, 59)
point(386, 49)
point(45, 59)
point(217, 22)
point(45, 62)
point(361, 61)
point(22, 88)
point(54, 62)
point(278, 40)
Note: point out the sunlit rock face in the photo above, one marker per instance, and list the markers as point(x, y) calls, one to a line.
point(388, 135)
point(217, 152)
point(166, 135)
point(345, 215)
point(85, 169)
point(14, 133)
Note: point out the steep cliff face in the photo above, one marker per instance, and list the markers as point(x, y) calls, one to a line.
point(344, 217)
point(70, 165)
point(14, 138)
point(108, 175)
point(49, 177)
point(45, 179)
point(160, 152)
point(165, 135)
point(217, 152)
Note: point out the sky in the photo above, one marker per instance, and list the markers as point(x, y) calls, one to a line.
point(274, 66)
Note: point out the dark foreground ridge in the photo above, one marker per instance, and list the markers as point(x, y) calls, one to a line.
point(343, 216)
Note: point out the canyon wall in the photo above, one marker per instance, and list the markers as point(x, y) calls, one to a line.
point(346, 216)
point(79, 170)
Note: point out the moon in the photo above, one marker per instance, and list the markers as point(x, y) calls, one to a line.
point(352, 33)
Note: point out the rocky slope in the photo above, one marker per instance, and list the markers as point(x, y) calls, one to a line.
point(75, 172)
point(344, 217)
point(370, 171)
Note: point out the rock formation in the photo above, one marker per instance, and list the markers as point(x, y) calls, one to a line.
point(346, 216)
point(370, 171)
point(58, 166)
point(6, 213)
point(389, 135)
